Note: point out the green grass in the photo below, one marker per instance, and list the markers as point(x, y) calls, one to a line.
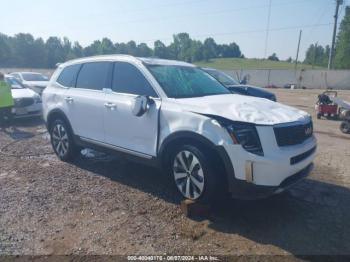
point(243, 63)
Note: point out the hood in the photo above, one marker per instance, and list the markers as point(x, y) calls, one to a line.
point(36, 83)
point(244, 109)
point(22, 93)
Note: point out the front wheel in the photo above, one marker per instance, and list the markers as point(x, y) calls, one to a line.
point(62, 141)
point(193, 174)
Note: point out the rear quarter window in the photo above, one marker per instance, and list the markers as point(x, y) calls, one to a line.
point(68, 75)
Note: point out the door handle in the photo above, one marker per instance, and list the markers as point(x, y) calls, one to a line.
point(111, 106)
point(69, 99)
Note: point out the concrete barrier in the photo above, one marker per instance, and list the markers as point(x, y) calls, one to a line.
point(312, 79)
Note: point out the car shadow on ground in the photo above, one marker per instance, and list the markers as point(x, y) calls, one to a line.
point(28, 122)
point(20, 128)
point(312, 218)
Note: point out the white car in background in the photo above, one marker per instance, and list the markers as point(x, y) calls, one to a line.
point(27, 102)
point(35, 81)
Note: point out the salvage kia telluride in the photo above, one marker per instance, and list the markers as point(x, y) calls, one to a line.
point(176, 116)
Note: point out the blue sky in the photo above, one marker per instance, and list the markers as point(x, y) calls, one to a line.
point(240, 21)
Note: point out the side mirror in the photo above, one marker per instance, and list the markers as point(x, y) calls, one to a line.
point(141, 105)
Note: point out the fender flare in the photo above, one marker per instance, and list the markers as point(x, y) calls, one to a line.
point(61, 114)
point(219, 150)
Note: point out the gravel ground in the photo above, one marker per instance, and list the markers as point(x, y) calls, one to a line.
point(106, 205)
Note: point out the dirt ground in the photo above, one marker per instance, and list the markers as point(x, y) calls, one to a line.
point(105, 205)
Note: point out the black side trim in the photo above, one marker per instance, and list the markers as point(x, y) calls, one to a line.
point(150, 162)
point(301, 157)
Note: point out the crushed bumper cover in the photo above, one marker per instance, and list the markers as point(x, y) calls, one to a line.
point(244, 190)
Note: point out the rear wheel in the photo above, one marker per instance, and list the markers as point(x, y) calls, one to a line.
point(193, 174)
point(62, 141)
point(319, 115)
point(345, 127)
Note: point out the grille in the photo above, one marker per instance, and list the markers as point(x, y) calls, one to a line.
point(23, 102)
point(293, 135)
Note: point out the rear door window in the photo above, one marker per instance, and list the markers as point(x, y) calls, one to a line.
point(129, 79)
point(68, 75)
point(94, 76)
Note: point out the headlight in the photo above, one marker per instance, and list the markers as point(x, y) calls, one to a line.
point(244, 134)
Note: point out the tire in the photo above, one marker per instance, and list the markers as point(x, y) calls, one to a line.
point(193, 174)
point(319, 115)
point(345, 127)
point(62, 141)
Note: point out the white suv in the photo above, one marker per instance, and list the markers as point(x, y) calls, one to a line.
point(175, 116)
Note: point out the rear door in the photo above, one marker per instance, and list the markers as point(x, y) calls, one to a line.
point(136, 135)
point(85, 101)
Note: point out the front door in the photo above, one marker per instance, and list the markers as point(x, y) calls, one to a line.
point(137, 135)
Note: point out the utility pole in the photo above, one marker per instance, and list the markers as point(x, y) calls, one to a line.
point(297, 57)
point(331, 53)
point(315, 55)
point(267, 29)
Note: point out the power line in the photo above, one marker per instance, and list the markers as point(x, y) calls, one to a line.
point(317, 22)
point(248, 31)
point(163, 6)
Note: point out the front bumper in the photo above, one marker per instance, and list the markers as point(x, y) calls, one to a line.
point(34, 110)
point(244, 190)
point(252, 176)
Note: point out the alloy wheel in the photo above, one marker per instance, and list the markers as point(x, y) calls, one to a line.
point(60, 140)
point(188, 175)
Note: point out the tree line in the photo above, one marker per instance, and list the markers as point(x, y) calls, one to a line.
point(23, 50)
point(318, 55)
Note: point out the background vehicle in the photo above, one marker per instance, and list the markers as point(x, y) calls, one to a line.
point(35, 81)
point(325, 107)
point(173, 115)
point(27, 102)
point(236, 87)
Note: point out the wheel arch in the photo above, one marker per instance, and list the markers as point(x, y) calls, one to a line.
point(219, 154)
point(57, 114)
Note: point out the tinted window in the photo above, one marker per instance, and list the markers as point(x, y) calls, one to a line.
point(222, 77)
point(34, 77)
point(14, 83)
point(68, 75)
point(16, 76)
point(93, 75)
point(128, 79)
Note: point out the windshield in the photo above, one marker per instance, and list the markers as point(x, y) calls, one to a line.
point(222, 77)
point(34, 77)
point(15, 84)
point(185, 82)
